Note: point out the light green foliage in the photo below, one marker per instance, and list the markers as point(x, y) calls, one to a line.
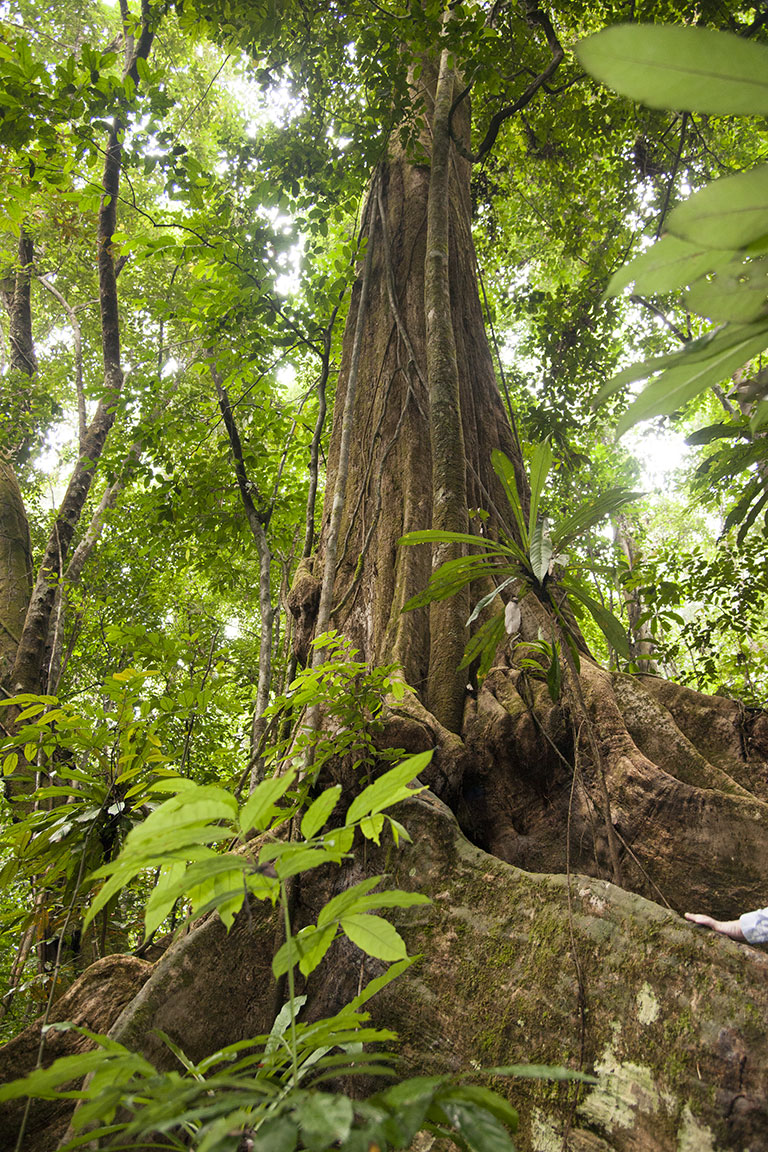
point(255, 1087)
point(97, 762)
point(706, 607)
point(352, 696)
point(717, 236)
point(178, 837)
point(527, 560)
point(692, 69)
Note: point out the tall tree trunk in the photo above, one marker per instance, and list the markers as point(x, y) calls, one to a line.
point(390, 488)
point(533, 782)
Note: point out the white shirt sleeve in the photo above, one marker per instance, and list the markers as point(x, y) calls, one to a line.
point(754, 925)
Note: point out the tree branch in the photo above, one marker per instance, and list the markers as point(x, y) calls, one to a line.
point(535, 16)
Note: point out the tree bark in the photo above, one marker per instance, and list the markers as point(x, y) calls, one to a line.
point(445, 684)
point(533, 782)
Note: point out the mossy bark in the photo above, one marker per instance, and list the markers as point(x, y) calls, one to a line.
point(15, 569)
point(515, 968)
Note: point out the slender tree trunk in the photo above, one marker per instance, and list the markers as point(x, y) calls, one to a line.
point(15, 569)
point(257, 522)
point(640, 636)
point(28, 667)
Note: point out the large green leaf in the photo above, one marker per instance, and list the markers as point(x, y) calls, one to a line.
point(325, 1120)
point(455, 574)
point(699, 351)
point(319, 811)
point(346, 901)
point(715, 432)
point(258, 810)
point(589, 513)
point(609, 625)
point(692, 69)
point(668, 264)
point(729, 213)
point(437, 536)
point(738, 292)
point(541, 551)
point(374, 935)
point(504, 469)
point(489, 1101)
point(307, 948)
point(389, 789)
point(685, 380)
point(541, 463)
point(484, 644)
point(479, 1129)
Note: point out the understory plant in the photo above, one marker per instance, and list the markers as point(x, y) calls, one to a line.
point(529, 557)
point(211, 853)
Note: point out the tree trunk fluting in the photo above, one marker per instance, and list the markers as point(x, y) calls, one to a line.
point(681, 794)
point(390, 488)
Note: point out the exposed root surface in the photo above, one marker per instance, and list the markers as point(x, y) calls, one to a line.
point(686, 775)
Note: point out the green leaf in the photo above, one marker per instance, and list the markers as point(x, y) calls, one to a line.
point(699, 351)
point(681, 383)
point(162, 897)
point(258, 810)
point(278, 1135)
point(541, 551)
point(324, 1120)
point(455, 574)
point(346, 901)
point(298, 858)
point(489, 1101)
point(759, 418)
point(541, 463)
point(479, 1129)
point(436, 536)
point(389, 789)
point(691, 69)
point(307, 948)
point(484, 644)
point(668, 264)
point(319, 811)
point(715, 432)
point(486, 600)
point(540, 1072)
point(283, 1022)
point(612, 629)
point(371, 827)
point(408, 1103)
point(729, 213)
point(589, 513)
point(374, 935)
point(505, 471)
point(738, 292)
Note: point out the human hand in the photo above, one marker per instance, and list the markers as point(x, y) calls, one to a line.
point(730, 928)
